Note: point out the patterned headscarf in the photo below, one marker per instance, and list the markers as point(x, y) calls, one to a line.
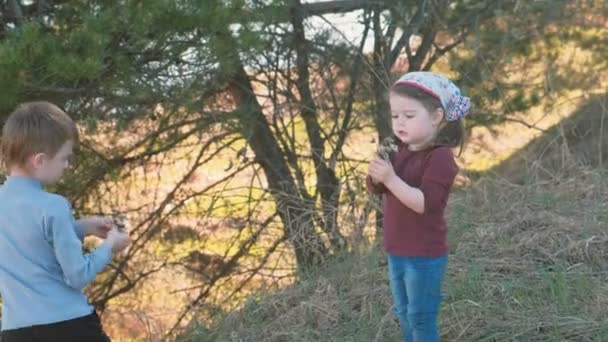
point(456, 106)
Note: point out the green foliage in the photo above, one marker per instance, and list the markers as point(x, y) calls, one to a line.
point(148, 79)
point(523, 56)
point(129, 55)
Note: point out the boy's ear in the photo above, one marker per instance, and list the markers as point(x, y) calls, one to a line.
point(37, 160)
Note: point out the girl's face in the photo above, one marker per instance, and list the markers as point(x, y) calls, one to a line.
point(413, 124)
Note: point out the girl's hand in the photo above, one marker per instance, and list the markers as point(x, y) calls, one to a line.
point(381, 171)
point(369, 173)
point(97, 225)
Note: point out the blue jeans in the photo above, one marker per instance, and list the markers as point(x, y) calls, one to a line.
point(416, 287)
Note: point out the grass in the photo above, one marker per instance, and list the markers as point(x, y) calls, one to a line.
point(321, 307)
point(529, 262)
point(533, 269)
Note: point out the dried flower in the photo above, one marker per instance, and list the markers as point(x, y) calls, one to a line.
point(387, 147)
point(120, 221)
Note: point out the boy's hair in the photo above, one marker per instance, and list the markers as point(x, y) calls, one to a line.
point(452, 133)
point(35, 127)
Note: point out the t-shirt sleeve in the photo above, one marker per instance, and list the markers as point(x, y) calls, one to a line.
point(439, 174)
point(78, 269)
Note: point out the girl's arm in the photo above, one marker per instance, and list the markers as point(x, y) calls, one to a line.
point(432, 195)
point(411, 197)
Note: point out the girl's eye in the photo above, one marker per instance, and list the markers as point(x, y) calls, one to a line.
point(409, 116)
point(394, 116)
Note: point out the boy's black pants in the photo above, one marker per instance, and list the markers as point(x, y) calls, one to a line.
point(82, 329)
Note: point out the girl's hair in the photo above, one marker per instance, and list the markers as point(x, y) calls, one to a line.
point(452, 133)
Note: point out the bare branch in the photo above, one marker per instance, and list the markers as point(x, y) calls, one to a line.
point(356, 74)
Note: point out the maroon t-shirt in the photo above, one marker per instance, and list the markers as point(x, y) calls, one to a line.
point(407, 233)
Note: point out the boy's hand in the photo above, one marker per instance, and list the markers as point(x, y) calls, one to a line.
point(118, 240)
point(97, 225)
point(381, 171)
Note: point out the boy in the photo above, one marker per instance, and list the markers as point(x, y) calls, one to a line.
point(42, 267)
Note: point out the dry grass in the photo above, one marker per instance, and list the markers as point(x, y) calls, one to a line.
point(529, 262)
point(349, 297)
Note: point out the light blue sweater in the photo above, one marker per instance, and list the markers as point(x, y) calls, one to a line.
point(42, 266)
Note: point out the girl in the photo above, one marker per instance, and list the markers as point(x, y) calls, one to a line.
point(427, 111)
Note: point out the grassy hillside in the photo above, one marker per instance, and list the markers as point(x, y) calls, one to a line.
point(529, 259)
point(580, 139)
point(532, 268)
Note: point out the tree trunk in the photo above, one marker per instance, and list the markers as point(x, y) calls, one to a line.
point(381, 83)
point(296, 213)
point(327, 182)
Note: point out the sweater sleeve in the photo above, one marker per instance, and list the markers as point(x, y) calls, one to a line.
point(78, 269)
point(78, 229)
point(439, 174)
